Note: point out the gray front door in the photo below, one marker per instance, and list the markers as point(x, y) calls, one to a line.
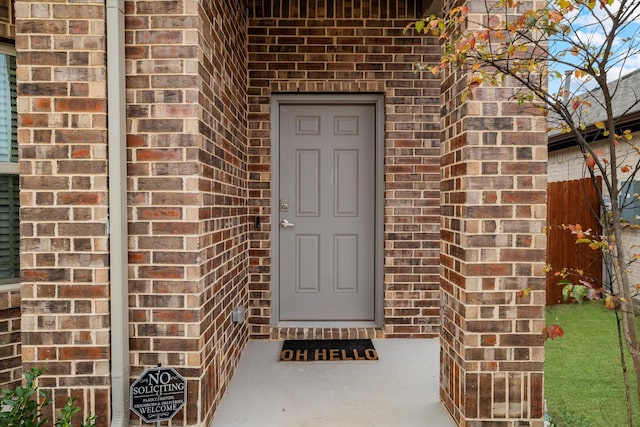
point(327, 212)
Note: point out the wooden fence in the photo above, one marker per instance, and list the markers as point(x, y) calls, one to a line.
point(571, 202)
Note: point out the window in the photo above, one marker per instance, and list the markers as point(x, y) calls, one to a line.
point(9, 189)
point(629, 202)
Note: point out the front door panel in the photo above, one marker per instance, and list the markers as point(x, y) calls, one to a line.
point(327, 212)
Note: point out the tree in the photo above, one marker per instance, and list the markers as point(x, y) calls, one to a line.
point(588, 42)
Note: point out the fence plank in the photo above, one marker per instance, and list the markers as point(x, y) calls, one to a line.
point(571, 202)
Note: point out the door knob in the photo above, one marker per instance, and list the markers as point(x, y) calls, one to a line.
point(286, 224)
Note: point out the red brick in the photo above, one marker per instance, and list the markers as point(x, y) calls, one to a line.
point(84, 353)
point(159, 154)
point(84, 105)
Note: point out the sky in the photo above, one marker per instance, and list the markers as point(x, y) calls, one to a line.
point(590, 28)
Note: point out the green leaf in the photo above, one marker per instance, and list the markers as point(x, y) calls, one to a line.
point(582, 241)
point(23, 409)
point(579, 292)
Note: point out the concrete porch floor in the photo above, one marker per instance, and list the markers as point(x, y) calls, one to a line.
point(399, 390)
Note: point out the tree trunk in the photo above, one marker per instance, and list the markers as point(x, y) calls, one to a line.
point(627, 309)
point(625, 371)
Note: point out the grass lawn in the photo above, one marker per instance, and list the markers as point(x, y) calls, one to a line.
point(582, 369)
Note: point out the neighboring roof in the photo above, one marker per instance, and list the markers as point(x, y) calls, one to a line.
point(626, 109)
point(626, 98)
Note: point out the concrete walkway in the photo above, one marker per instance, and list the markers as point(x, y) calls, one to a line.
point(399, 390)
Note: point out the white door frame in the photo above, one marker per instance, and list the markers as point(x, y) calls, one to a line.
point(360, 99)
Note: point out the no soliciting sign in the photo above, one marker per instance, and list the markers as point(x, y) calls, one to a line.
point(158, 394)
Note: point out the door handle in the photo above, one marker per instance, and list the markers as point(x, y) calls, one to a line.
point(286, 224)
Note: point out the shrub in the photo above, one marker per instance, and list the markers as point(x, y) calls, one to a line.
point(24, 406)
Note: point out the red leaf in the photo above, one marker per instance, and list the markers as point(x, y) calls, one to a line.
point(575, 104)
point(555, 331)
point(575, 228)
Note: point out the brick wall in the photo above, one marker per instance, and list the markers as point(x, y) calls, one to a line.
point(187, 180)
point(195, 180)
point(354, 46)
point(493, 213)
point(10, 341)
point(186, 126)
point(223, 183)
point(64, 258)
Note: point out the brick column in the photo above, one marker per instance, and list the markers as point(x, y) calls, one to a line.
point(493, 213)
point(10, 341)
point(63, 151)
point(186, 112)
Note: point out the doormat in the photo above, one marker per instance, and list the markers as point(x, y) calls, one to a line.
point(327, 350)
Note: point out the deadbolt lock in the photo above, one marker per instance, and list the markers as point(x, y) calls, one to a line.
point(284, 207)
